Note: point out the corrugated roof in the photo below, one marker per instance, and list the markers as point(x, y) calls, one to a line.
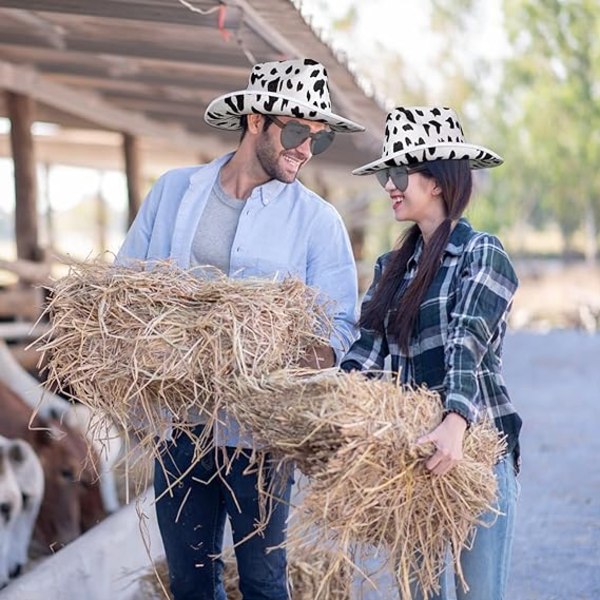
point(150, 67)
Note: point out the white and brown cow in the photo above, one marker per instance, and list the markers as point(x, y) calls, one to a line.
point(51, 407)
point(72, 502)
point(29, 474)
point(10, 508)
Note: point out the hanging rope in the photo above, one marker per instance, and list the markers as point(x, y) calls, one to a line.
point(201, 11)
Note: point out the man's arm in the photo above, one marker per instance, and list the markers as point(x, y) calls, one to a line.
point(331, 270)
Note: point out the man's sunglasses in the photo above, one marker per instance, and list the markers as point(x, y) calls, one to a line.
point(398, 175)
point(294, 133)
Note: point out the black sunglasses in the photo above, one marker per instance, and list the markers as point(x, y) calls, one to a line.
point(398, 175)
point(294, 133)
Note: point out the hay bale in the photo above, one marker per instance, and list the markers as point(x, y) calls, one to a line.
point(153, 348)
point(369, 489)
point(155, 345)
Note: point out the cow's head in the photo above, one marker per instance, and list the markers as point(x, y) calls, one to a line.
point(72, 501)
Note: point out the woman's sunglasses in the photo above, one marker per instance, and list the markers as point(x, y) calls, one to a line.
point(398, 175)
point(294, 133)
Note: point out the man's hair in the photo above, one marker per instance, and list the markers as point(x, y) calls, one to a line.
point(244, 124)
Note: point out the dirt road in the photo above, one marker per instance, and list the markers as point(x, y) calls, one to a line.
point(554, 380)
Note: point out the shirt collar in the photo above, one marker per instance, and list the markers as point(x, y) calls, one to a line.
point(270, 190)
point(456, 244)
point(458, 238)
point(267, 192)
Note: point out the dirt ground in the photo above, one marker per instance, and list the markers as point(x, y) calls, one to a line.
point(554, 295)
point(554, 380)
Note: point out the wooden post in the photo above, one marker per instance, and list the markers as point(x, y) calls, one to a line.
point(48, 214)
point(20, 111)
point(133, 174)
point(101, 216)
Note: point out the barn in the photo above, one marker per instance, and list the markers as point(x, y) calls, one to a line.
point(122, 85)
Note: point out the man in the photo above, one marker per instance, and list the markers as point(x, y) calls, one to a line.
point(247, 214)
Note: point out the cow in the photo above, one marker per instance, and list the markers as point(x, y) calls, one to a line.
point(72, 502)
point(10, 508)
point(51, 406)
point(29, 474)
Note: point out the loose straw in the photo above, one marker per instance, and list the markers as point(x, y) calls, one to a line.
point(369, 490)
point(157, 349)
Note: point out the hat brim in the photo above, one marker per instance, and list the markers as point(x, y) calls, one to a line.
point(478, 156)
point(225, 111)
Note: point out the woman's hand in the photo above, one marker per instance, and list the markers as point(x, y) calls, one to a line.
point(448, 439)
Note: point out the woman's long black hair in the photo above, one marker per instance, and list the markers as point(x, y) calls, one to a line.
point(456, 183)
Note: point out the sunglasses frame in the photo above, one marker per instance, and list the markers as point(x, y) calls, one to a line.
point(398, 175)
point(315, 138)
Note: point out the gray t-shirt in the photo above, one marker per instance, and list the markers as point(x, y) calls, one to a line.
point(216, 230)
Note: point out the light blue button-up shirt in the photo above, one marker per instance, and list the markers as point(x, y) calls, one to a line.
point(284, 229)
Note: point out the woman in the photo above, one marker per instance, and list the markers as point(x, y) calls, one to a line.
point(438, 307)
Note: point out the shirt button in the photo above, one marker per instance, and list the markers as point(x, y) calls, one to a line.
point(237, 249)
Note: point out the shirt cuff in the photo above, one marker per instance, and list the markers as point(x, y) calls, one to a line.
point(461, 407)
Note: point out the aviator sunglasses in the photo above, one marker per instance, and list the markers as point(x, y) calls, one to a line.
point(398, 175)
point(294, 133)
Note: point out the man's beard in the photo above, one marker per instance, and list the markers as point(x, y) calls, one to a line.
point(269, 159)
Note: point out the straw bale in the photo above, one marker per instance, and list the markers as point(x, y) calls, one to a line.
point(155, 348)
point(152, 346)
point(369, 490)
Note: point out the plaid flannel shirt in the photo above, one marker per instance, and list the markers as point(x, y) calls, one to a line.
point(456, 346)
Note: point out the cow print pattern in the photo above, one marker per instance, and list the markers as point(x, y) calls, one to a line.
point(418, 134)
point(295, 88)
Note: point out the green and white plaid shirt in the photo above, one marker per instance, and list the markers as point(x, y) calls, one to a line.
point(456, 346)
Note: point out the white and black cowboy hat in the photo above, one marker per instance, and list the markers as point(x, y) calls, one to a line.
point(293, 88)
point(417, 134)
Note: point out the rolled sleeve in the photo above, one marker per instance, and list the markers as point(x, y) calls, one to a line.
point(488, 284)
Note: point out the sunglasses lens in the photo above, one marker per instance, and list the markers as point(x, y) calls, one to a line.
point(293, 134)
point(382, 176)
point(399, 176)
point(321, 141)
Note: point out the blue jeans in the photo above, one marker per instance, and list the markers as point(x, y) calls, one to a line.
point(192, 523)
point(486, 565)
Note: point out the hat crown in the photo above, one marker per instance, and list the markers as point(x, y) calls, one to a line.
point(295, 88)
point(410, 127)
point(303, 80)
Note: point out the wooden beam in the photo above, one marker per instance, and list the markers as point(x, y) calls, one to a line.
point(132, 48)
point(25, 81)
point(21, 330)
point(133, 174)
point(152, 70)
point(21, 303)
point(20, 111)
point(173, 12)
point(28, 271)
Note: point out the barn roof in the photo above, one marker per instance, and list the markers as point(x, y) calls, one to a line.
point(150, 67)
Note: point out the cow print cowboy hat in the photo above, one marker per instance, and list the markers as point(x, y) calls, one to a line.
point(417, 134)
point(293, 88)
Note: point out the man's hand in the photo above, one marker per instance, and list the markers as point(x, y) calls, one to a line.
point(317, 357)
